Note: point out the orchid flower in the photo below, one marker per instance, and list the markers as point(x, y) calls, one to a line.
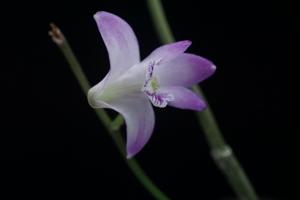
point(132, 85)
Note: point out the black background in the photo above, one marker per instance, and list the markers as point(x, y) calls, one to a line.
point(52, 144)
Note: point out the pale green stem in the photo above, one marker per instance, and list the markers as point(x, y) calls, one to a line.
point(111, 126)
point(117, 123)
point(220, 150)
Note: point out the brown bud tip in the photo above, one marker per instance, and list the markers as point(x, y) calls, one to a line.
point(56, 34)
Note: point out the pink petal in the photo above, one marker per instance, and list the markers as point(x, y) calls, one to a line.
point(167, 52)
point(139, 117)
point(184, 98)
point(184, 70)
point(120, 41)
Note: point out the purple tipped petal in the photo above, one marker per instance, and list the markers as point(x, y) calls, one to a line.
point(139, 117)
point(184, 70)
point(184, 98)
point(168, 52)
point(120, 41)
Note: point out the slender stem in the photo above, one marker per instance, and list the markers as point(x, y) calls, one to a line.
point(160, 22)
point(111, 126)
point(220, 150)
point(117, 123)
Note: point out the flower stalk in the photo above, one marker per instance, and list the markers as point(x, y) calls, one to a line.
point(112, 126)
point(220, 150)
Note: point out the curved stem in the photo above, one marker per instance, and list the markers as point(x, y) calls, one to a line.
point(220, 150)
point(111, 126)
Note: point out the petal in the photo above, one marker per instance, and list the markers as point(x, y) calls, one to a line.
point(167, 52)
point(158, 99)
point(120, 41)
point(184, 70)
point(140, 124)
point(139, 117)
point(184, 98)
point(96, 93)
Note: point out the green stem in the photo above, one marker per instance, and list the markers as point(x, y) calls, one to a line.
point(220, 150)
point(117, 123)
point(111, 126)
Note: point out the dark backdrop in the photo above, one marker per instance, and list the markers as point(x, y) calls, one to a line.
point(52, 144)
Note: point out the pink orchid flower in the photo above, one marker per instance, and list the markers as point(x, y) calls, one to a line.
point(132, 85)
